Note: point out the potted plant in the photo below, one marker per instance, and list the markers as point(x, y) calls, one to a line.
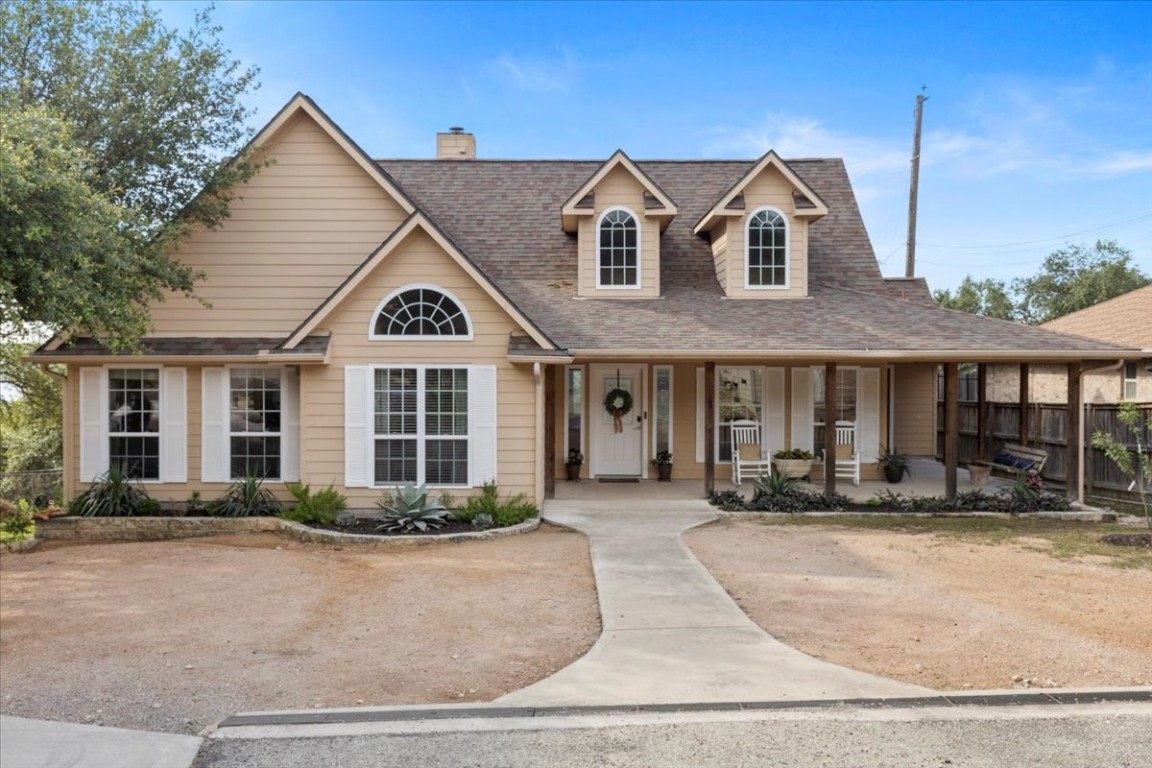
point(895, 465)
point(795, 462)
point(663, 463)
point(573, 463)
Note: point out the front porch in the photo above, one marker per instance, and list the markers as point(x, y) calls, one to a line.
point(927, 479)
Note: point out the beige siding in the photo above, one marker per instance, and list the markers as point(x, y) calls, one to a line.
point(720, 256)
point(418, 260)
point(302, 225)
point(915, 416)
point(619, 188)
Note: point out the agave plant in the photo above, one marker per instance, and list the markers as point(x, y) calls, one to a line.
point(112, 495)
point(411, 509)
point(245, 498)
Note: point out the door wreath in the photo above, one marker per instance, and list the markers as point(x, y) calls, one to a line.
point(618, 403)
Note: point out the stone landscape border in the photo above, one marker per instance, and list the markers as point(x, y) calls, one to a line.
point(109, 529)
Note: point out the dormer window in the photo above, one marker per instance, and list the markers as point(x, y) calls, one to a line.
point(618, 250)
point(421, 313)
point(767, 250)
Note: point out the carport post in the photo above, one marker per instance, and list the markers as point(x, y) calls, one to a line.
point(709, 427)
point(1072, 435)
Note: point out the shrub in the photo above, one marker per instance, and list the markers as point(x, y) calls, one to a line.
point(318, 508)
point(798, 454)
point(729, 501)
point(19, 525)
point(246, 498)
point(411, 509)
point(781, 493)
point(113, 495)
point(1019, 498)
point(483, 521)
point(346, 518)
point(504, 512)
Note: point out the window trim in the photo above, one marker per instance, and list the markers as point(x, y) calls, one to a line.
point(373, 336)
point(639, 250)
point(748, 285)
point(421, 413)
point(106, 429)
point(656, 406)
point(230, 433)
point(568, 408)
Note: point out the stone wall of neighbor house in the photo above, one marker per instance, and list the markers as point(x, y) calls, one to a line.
point(1049, 384)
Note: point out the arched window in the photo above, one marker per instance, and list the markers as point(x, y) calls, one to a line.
point(421, 312)
point(767, 249)
point(618, 250)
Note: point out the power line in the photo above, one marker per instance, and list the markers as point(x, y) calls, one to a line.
point(1144, 217)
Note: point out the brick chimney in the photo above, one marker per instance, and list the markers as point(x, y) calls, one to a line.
point(455, 145)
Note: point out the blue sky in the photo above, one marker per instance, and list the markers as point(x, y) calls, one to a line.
point(1037, 130)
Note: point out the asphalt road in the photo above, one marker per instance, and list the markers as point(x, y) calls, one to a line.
point(1024, 737)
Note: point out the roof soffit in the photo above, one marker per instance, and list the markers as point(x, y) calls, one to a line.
point(657, 202)
point(809, 204)
point(300, 104)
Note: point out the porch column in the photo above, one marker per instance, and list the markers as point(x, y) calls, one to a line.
point(829, 428)
point(709, 428)
point(951, 426)
point(1022, 423)
point(982, 411)
point(1072, 435)
point(550, 431)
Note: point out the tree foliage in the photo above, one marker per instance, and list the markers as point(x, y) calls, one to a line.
point(1136, 465)
point(1070, 279)
point(114, 133)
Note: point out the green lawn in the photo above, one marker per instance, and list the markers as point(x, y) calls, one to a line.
point(1058, 538)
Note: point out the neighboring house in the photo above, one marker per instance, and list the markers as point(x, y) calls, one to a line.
point(1125, 321)
point(456, 321)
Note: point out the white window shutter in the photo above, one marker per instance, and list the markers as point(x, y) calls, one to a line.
point(802, 422)
point(357, 421)
point(93, 419)
point(214, 443)
point(868, 414)
point(700, 449)
point(772, 438)
point(174, 425)
point(482, 416)
point(289, 425)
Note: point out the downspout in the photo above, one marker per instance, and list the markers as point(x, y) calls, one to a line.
point(539, 382)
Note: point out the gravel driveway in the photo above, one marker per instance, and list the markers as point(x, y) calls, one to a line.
point(173, 636)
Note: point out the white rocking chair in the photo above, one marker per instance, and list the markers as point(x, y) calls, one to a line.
point(847, 457)
point(749, 459)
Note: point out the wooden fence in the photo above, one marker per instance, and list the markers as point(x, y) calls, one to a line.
point(1046, 429)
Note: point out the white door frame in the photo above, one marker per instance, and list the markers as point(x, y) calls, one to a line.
point(596, 373)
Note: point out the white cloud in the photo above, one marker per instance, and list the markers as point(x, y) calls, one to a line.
point(556, 73)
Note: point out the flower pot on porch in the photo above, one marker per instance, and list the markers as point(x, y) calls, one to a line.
point(664, 473)
point(978, 474)
point(573, 471)
point(792, 467)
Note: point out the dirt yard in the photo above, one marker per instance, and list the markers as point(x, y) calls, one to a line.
point(173, 636)
point(935, 610)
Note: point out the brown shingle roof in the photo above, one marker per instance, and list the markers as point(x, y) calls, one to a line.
point(188, 346)
point(1125, 320)
point(505, 215)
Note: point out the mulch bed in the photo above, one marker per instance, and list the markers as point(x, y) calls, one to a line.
point(366, 526)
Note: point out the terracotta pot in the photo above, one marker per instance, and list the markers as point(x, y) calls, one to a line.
point(978, 474)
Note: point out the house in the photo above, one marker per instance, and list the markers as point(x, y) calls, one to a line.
point(1125, 321)
point(456, 320)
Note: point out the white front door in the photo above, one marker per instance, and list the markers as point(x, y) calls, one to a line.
point(617, 443)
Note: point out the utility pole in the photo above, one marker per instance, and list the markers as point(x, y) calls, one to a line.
point(914, 188)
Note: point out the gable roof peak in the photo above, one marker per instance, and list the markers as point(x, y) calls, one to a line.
point(809, 204)
point(661, 204)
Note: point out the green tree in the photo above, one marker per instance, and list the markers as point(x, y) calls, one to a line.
point(1076, 277)
point(115, 130)
point(1136, 465)
point(988, 297)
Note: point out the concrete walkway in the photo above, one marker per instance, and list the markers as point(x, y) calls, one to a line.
point(671, 634)
point(28, 743)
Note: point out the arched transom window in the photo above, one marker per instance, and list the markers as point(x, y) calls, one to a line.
point(767, 250)
point(618, 250)
point(421, 312)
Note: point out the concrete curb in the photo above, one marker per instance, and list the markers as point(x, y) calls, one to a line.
point(472, 711)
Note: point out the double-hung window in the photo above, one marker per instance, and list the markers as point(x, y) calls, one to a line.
point(254, 422)
point(420, 426)
point(134, 421)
